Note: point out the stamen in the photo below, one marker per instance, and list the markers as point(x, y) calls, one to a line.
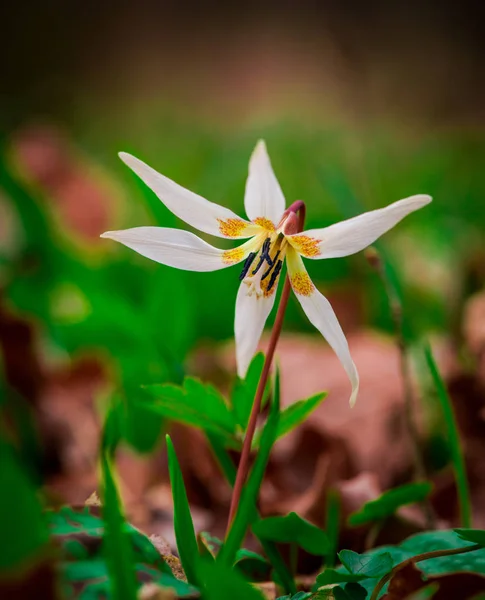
point(271, 266)
point(274, 275)
point(247, 265)
point(264, 256)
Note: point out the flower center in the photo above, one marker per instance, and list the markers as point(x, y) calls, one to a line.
point(262, 268)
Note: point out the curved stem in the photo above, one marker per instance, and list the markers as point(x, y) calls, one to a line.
point(243, 468)
point(419, 558)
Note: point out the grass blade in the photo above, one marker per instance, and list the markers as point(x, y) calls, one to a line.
point(453, 441)
point(183, 524)
point(119, 553)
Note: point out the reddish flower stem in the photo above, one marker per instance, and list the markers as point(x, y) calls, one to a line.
point(244, 461)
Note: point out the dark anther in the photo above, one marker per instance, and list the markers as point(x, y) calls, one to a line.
point(274, 275)
point(247, 265)
point(264, 256)
point(273, 262)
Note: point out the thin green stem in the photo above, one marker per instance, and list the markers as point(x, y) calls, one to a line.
point(244, 462)
point(396, 309)
point(453, 441)
point(418, 558)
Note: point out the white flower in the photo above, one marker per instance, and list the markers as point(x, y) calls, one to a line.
point(273, 237)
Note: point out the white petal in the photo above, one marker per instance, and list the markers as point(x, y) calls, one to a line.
point(178, 248)
point(191, 208)
point(353, 235)
point(251, 314)
point(263, 197)
point(321, 315)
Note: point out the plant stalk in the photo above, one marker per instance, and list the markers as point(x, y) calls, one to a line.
point(244, 462)
point(396, 309)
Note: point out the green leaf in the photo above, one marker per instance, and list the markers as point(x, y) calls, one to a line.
point(70, 521)
point(194, 404)
point(252, 565)
point(352, 591)
point(118, 550)
point(294, 530)
point(183, 524)
point(77, 526)
point(358, 567)
point(297, 412)
point(477, 536)
point(244, 390)
point(387, 504)
point(293, 415)
point(247, 512)
point(370, 566)
point(92, 577)
point(453, 440)
point(220, 582)
point(427, 542)
point(332, 524)
point(23, 528)
point(208, 544)
point(332, 576)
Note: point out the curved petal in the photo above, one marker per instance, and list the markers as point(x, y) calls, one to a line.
point(321, 315)
point(353, 235)
point(264, 198)
point(186, 205)
point(178, 248)
point(251, 314)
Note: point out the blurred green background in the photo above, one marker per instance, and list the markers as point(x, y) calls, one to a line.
point(359, 107)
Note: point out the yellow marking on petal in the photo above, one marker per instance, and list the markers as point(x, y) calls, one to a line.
point(233, 256)
point(232, 227)
point(265, 223)
point(302, 284)
point(305, 245)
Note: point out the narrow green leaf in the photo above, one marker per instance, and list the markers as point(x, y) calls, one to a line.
point(283, 574)
point(22, 525)
point(220, 582)
point(332, 526)
point(244, 390)
point(387, 504)
point(376, 565)
point(118, 550)
point(247, 512)
point(296, 413)
point(293, 415)
point(183, 524)
point(294, 530)
point(477, 536)
point(453, 440)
